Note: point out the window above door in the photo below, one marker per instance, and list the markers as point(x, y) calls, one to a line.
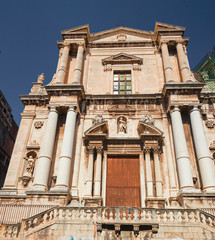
point(122, 82)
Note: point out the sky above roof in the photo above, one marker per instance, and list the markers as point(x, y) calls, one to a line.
point(30, 29)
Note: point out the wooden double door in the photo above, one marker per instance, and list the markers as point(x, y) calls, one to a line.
point(123, 182)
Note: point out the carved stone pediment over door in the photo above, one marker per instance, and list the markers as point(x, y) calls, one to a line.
point(148, 132)
point(98, 131)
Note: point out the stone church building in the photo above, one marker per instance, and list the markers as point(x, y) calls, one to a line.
point(119, 144)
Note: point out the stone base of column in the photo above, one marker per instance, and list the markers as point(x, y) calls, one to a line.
point(74, 193)
point(92, 201)
point(75, 203)
point(155, 202)
point(76, 83)
point(8, 191)
point(60, 189)
point(189, 190)
point(209, 190)
point(37, 188)
point(59, 83)
point(88, 189)
point(149, 189)
point(97, 189)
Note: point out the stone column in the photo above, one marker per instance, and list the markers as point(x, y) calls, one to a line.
point(158, 176)
point(181, 152)
point(97, 175)
point(44, 161)
point(183, 64)
point(142, 180)
point(202, 151)
point(166, 62)
point(79, 64)
point(64, 169)
point(149, 181)
point(63, 64)
point(78, 152)
point(89, 178)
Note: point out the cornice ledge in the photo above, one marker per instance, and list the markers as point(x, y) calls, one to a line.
point(182, 87)
point(152, 96)
point(37, 100)
point(207, 95)
point(121, 44)
point(65, 90)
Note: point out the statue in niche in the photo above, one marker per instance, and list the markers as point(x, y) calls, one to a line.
point(29, 168)
point(148, 119)
point(98, 119)
point(122, 125)
point(30, 165)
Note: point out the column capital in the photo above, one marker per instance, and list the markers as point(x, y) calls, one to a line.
point(164, 42)
point(66, 44)
point(174, 108)
point(180, 41)
point(53, 108)
point(99, 149)
point(195, 107)
point(81, 44)
point(156, 150)
point(147, 150)
point(72, 107)
point(90, 150)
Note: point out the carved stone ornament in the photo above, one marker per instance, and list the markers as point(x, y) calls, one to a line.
point(148, 119)
point(121, 37)
point(136, 67)
point(98, 119)
point(107, 67)
point(38, 87)
point(209, 123)
point(122, 125)
point(41, 78)
point(34, 143)
point(38, 124)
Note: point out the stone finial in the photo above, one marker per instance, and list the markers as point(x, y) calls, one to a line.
point(98, 119)
point(148, 119)
point(41, 78)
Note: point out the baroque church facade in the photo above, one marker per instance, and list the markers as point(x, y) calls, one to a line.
point(119, 144)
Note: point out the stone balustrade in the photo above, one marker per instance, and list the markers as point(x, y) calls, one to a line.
point(9, 230)
point(110, 216)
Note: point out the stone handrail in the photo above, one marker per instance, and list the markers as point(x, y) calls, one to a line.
point(111, 215)
point(209, 210)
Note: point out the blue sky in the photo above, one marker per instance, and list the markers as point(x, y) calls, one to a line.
point(30, 29)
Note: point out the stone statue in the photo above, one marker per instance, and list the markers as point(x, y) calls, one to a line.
point(41, 78)
point(98, 119)
point(148, 119)
point(122, 125)
point(30, 165)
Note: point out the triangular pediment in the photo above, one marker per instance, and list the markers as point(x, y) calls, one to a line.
point(80, 30)
point(122, 58)
point(121, 34)
point(145, 129)
point(164, 27)
point(97, 129)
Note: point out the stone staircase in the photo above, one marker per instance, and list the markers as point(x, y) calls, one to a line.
point(103, 218)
